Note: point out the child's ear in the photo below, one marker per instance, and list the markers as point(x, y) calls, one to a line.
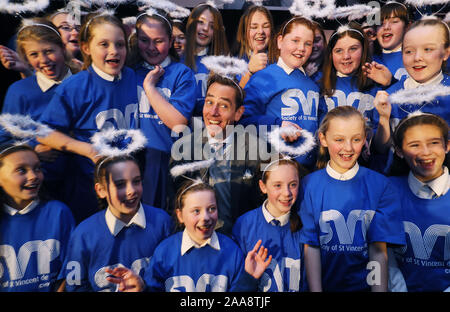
point(279, 40)
point(101, 191)
point(85, 48)
point(399, 152)
point(447, 149)
point(322, 140)
point(179, 215)
point(262, 186)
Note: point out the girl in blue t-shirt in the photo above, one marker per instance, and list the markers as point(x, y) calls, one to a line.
point(40, 45)
point(282, 94)
point(103, 95)
point(34, 231)
point(422, 145)
point(426, 47)
point(197, 259)
point(349, 213)
point(124, 234)
point(395, 19)
point(254, 40)
point(277, 224)
point(167, 95)
point(205, 35)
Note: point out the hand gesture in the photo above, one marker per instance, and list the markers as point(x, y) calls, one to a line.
point(11, 60)
point(46, 153)
point(378, 73)
point(293, 137)
point(382, 105)
point(257, 61)
point(255, 262)
point(127, 280)
point(153, 76)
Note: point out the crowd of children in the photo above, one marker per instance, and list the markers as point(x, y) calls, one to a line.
point(366, 209)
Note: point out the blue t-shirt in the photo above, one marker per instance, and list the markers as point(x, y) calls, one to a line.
point(273, 96)
point(342, 218)
point(92, 249)
point(394, 62)
point(286, 270)
point(201, 74)
point(178, 87)
point(33, 247)
point(199, 269)
point(425, 260)
point(347, 94)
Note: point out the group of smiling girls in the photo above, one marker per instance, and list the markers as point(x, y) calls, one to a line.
point(355, 229)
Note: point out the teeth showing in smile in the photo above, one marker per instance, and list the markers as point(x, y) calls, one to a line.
point(214, 122)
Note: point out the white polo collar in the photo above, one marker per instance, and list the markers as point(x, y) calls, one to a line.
point(392, 51)
point(348, 175)
point(46, 83)
point(284, 219)
point(339, 74)
point(187, 243)
point(438, 186)
point(115, 225)
point(203, 52)
point(286, 68)
point(13, 211)
point(104, 75)
point(163, 64)
point(412, 84)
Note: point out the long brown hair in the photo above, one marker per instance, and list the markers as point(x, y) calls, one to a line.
point(219, 43)
point(329, 77)
point(241, 45)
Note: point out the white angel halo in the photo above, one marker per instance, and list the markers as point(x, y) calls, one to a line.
point(354, 12)
point(274, 137)
point(24, 127)
point(227, 66)
point(103, 141)
point(180, 170)
point(312, 8)
point(27, 6)
point(419, 95)
point(172, 9)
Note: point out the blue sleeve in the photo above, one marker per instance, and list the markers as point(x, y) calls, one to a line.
point(154, 277)
point(241, 281)
point(185, 94)
point(386, 225)
point(309, 233)
point(236, 234)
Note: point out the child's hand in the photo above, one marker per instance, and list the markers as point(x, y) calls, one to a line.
point(10, 60)
point(378, 73)
point(293, 137)
point(257, 61)
point(255, 262)
point(153, 76)
point(46, 153)
point(128, 280)
point(382, 105)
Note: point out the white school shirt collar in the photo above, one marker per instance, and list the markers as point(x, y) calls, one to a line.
point(412, 84)
point(104, 75)
point(187, 243)
point(286, 68)
point(163, 64)
point(348, 175)
point(439, 186)
point(339, 74)
point(284, 219)
point(46, 83)
point(13, 211)
point(392, 51)
point(115, 225)
point(203, 52)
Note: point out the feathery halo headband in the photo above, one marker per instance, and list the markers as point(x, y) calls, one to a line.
point(117, 142)
point(226, 66)
point(274, 137)
point(30, 23)
point(414, 114)
point(343, 29)
point(151, 12)
point(105, 12)
point(172, 9)
point(28, 6)
point(419, 95)
point(312, 8)
point(354, 12)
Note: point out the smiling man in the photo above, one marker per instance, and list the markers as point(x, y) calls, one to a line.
point(237, 153)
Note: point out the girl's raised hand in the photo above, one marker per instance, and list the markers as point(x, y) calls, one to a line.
point(10, 60)
point(293, 137)
point(127, 280)
point(257, 61)
point(152, 77)
point(255, 262)
point(378, 73)
point(382, 105)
